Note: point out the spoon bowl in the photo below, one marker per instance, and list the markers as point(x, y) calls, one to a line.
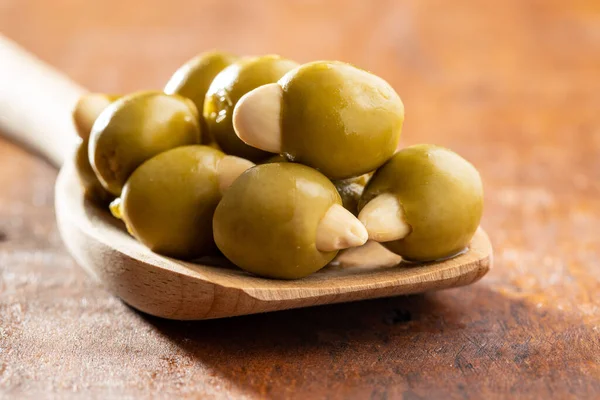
point(214, 288)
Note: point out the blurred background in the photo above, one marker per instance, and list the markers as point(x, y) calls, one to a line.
point(513, 86)
point(468, 73)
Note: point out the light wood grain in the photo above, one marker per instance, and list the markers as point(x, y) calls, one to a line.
point(35, 103)
point(213, 288)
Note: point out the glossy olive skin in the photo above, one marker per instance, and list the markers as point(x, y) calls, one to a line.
point(193, 79)
point(225, 91)
point(169, 201)
point(92, 187)
point(135, 128)
point(267, 220)
point(339, 119)
point(442, 197)
point(351, 190)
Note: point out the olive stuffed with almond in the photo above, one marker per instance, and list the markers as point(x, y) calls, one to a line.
point(284, 220)
point(424, 204)
point(169, 201)
point(329, 115)
point(227, 88)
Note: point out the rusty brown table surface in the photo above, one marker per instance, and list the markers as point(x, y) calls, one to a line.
point(514, 86)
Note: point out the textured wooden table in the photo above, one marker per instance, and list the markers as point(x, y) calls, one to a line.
point(514, 86)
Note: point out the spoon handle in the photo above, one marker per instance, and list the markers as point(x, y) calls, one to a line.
point(36, 103)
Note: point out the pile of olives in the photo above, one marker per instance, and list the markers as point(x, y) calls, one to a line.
point(276, 165)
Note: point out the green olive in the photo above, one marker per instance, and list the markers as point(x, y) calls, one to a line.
point(88, 108)
point(193, 79)
point(92, 187)
point(225, 91)
point(441, 195)
point(350, 191)
point(136, 128)
point(266, 221)
point(339, 119)
point(169, 201)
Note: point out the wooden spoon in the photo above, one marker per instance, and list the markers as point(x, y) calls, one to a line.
point(35, 109)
